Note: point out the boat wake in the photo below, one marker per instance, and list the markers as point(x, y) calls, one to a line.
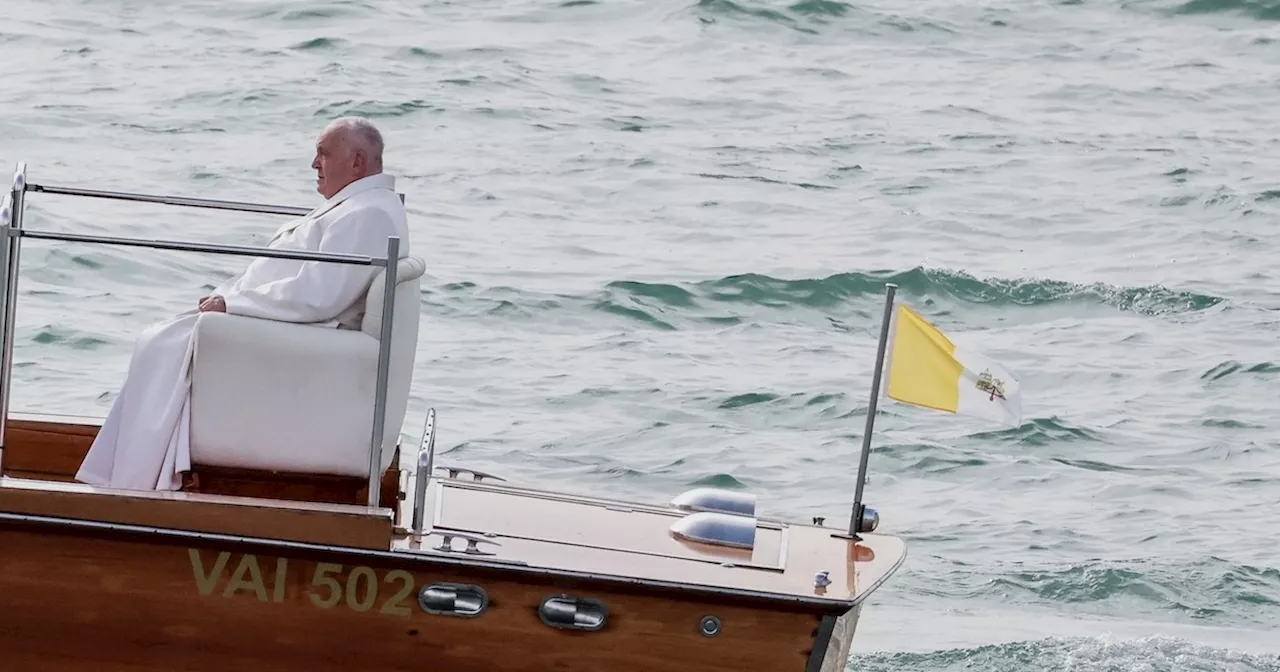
point(1077, 654)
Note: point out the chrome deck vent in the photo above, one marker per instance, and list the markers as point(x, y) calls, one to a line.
point(720, 529)
point(717, 501)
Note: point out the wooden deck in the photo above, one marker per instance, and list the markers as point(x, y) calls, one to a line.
point(598, 537)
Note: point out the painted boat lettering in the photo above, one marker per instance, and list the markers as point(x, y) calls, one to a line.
point(362, 589)
point(360, 592)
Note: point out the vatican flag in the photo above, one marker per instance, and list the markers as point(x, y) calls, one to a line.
point(926, 369)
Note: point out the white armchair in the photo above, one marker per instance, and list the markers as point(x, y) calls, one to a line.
point(287, 397)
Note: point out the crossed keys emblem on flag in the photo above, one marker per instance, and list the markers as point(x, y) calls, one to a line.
point(989, 383)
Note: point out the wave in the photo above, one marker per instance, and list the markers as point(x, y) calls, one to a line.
point(73, 338)
point(1232, 367)
point(835, 290)
point(806, 16)
point(1081, 654)
point(735, 299)
point(1265, 10)
point(286, 13)
point(1212, 591)
point(821, 8)
point(1038, 432)
point(320, 44)
point(374, 109)
point(729, 8)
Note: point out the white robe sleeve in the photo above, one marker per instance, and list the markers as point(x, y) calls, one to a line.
point(321, 291)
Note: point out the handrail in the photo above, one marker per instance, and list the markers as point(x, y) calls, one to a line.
point(172, 200)
point(215, 204)
point(12, 233)
point(238, 250)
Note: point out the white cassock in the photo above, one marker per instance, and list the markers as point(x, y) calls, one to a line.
point(144, 442)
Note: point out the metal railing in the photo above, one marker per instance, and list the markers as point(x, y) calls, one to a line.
point(12, 233)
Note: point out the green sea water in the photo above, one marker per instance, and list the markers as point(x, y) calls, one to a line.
point(657, 236)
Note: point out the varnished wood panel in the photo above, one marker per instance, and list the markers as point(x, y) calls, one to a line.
point(35, 476)
point(290, 521)
point(53, 447)
point(148, 605)
point(293, 486)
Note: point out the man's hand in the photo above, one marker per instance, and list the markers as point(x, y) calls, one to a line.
point(213, 304)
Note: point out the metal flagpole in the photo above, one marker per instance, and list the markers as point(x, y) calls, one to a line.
point(855, 518)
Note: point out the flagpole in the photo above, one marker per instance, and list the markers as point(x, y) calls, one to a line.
point(855, 517)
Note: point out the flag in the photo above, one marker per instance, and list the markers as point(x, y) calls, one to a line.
point(926, 369)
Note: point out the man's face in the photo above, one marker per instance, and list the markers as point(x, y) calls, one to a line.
point(336, 164)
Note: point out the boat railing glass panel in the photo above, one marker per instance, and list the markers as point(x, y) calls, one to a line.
point(12, 232)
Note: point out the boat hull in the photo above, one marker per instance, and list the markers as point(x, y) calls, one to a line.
point(113, 598)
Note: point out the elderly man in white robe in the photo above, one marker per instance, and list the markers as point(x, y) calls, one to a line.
point(144, 442)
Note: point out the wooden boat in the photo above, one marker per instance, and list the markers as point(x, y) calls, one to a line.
point(414, 566)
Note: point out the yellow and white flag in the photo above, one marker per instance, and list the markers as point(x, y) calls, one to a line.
point(926, 369)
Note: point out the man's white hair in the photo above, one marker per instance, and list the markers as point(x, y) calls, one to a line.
point(364, 133)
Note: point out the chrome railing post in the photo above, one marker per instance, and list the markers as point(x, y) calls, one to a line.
point(10, 245)
point(392, 268)
point(6, 225)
